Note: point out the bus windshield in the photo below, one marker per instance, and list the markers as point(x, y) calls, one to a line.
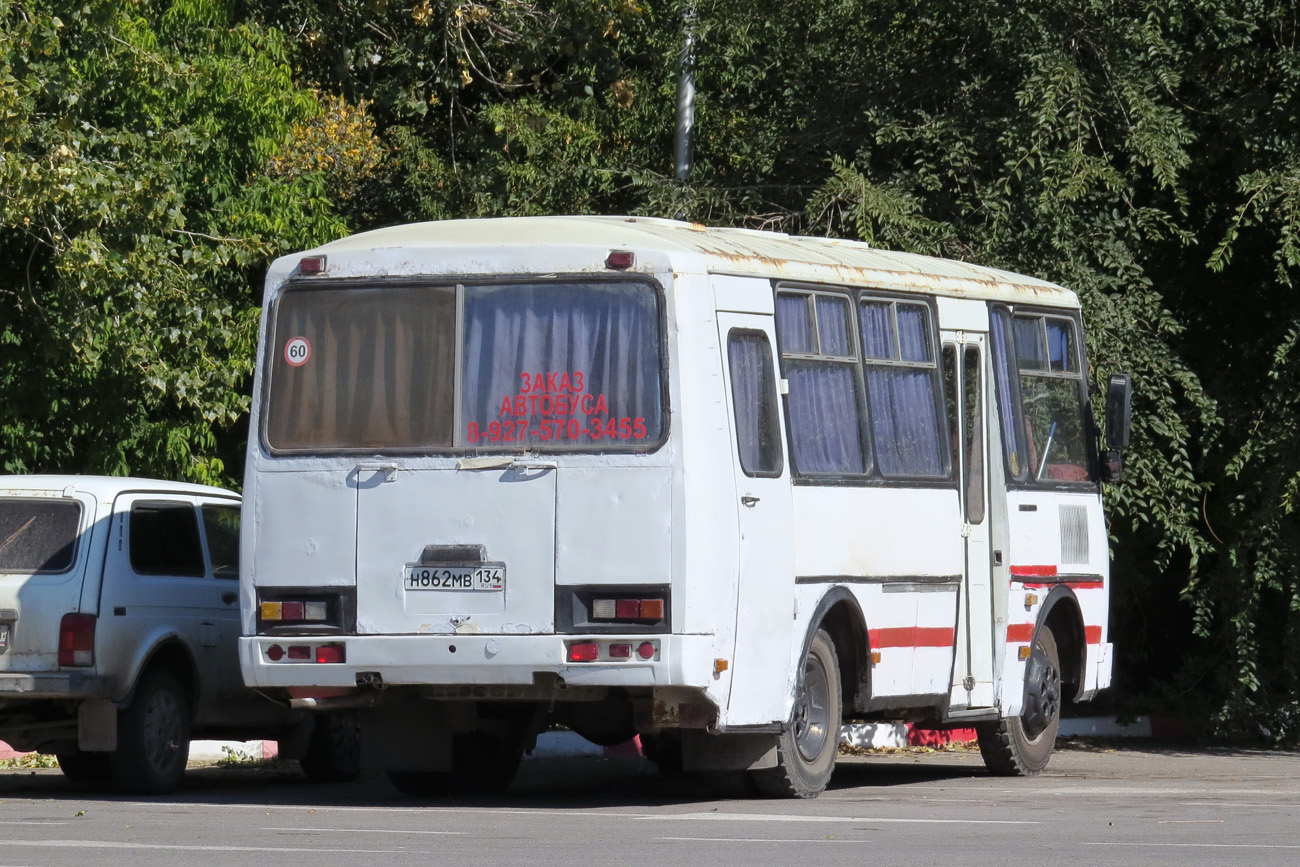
point(539, 366)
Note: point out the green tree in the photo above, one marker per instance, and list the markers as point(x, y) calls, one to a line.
point(134, 216)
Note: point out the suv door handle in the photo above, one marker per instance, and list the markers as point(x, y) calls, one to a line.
point(229, 597)
point(751, 502)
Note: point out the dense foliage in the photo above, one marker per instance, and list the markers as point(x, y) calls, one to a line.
point(152, 156)
point(133, 218)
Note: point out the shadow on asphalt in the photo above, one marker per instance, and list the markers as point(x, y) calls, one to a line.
point(553, 783)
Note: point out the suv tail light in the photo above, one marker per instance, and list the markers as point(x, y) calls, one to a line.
point(77, 640)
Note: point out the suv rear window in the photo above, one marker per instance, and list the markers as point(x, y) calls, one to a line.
point(542, 366)
point(38, 535)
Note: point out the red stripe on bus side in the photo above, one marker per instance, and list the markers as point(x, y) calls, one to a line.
point(1020, 633)
point(1034, 571)
point(912, 636)
point(1023, 633)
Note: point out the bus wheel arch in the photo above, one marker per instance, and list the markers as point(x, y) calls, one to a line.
point(807, 747)
point(840, 616)
point(1062, 614)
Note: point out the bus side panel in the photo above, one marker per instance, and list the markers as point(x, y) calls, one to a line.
point(899, 550)
point(705, 537)
point(1057, 537)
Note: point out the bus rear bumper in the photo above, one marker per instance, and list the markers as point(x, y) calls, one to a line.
point(455, 660)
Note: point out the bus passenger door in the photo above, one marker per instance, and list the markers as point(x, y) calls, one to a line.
point(973, 665)
point(765, 594)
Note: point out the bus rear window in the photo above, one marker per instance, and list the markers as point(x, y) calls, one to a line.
point(540, 366)
point(38, 535)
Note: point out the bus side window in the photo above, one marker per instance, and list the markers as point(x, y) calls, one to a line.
point(1038, 377)
point(1051, 398)
point(907, 425)
point(820, 361)
point(753, 398)
point(1006, 389)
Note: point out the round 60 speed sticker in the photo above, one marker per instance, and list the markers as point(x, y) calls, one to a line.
point(297, 351)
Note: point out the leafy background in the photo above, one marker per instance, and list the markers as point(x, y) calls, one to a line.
point(154, 156)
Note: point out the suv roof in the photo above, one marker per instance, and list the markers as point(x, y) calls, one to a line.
point(103, 487)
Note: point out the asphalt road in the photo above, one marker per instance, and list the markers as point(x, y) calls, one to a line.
point(1093, 806)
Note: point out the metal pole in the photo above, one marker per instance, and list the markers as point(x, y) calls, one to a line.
point(686, 98)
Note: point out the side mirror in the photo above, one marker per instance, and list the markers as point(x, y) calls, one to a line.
point(1112, 465)
point(1118, 396)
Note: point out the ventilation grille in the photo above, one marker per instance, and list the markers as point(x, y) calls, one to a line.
point(1074, 534)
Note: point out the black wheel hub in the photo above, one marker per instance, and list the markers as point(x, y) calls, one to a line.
point(1042, 694)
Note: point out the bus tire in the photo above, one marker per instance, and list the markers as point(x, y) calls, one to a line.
point(334, 750)
point(1021, 746)
point(807, 749)
point(153, 742)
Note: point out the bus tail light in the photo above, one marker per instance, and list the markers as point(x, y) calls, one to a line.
point(300, 611)
point(584, 651)
point(77, 640)
point(627, 609)
point(331, 653)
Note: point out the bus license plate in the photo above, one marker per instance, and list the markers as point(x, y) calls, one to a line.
point(485, 577)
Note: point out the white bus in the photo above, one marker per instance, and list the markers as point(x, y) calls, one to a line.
point(724, 489)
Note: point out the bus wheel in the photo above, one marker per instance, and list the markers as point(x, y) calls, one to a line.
point(807, 749)
point(153, 741)
point(334, 751)
point(1020, 746)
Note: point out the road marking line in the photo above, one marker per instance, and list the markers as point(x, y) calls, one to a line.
point(753, 840)
point(366, 831)
point(587, 814)
point(116, 844)
point(776, 817)
point(35, 822)
point(1199, 845)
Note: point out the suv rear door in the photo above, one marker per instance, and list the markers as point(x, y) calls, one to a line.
point(44, 549)
point(159, 584)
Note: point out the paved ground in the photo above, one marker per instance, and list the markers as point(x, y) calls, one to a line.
point(1139, 806)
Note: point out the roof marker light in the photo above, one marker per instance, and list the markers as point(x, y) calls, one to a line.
point(620, 260)
point(311, 265)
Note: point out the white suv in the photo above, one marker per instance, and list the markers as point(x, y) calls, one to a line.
point(119, 615)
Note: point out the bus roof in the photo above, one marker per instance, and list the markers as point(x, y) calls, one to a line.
point(744, 252)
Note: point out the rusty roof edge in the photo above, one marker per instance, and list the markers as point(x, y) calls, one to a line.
point(909, 281)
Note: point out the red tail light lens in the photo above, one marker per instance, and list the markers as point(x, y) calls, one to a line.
point(77, 640)
point(331, 653)
point(588, 651)
point(627, 609)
